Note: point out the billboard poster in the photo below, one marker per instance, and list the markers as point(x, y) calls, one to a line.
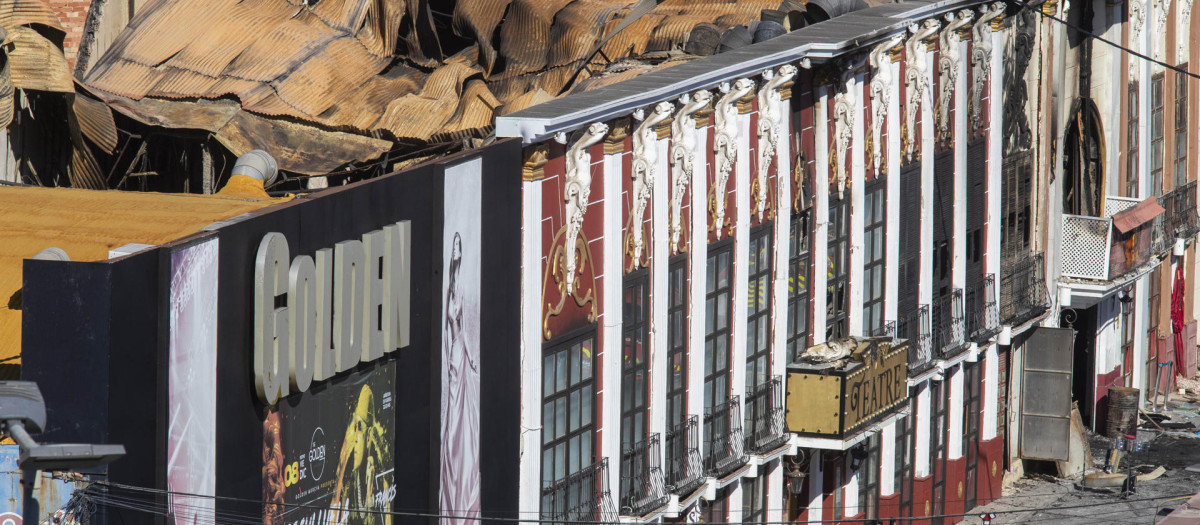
point(192, 383)
point(327, 458)
point(461, 260)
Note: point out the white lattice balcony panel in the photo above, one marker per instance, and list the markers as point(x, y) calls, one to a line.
point(1086, 247)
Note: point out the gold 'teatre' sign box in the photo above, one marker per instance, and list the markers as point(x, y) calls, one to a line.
point(836, 402)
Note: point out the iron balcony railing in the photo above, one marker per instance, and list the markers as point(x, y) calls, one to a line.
point(1180, 218)
point(915, 328)
point(723, 433)
point(983, 315)
point(887, 329)
point(1023, 293)
point(949, 329)
point(643, 488)
point(685, 467)
point(764, 416)
point(580, 497)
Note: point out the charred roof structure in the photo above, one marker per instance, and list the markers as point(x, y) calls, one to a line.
point(341, 90)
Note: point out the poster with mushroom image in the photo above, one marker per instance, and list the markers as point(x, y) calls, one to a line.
point(461, 268)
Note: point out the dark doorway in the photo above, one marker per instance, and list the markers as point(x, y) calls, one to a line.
point(1084, 383)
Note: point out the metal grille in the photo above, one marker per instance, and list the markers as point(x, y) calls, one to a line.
point(914, 326)
point(582, 496)
point(1115, 205)
point(723, 428)
point(1085, 246)
point(642, 486)
point(764, 416)
point(948, 326)
point(685, 467)
point(982, 314)
point(1023, 293)
point(1180, 218)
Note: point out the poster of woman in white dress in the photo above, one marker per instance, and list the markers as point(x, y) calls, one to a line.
point(461, 267)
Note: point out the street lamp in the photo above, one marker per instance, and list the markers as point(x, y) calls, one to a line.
point(22, 411)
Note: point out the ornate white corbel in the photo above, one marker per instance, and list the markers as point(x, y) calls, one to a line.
point(981, 57)
point(770, 124)
point(645, 155)
point(1181, 28)
point(577, 189)
point(1162, 8)
point(1137, 21)
point(948, 67)
point(683, 156)
point(725, 144)
point(881, 83)
point(916, 80)
point(844, 103)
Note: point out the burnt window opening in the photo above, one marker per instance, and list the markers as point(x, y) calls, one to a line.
point(1181, 134)
point(1132, 142)
point(1156, 135)
point(1083, 181)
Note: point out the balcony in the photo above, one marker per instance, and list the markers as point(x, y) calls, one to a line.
point(642, 486)
point(764, 416)
point(982, 312)
point(723, 430)
point(949, 329)
point(1107, 248)
point(915, 328)
point(1023, 293)
point(1180, 220)
point(580, 497)
point(685, 467)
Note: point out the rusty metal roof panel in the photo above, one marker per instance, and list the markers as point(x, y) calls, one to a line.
point(15, 13)
point(96, 122)
point(320, 82)
point(360, 109)
point(479, 19)
point(161, 35)
point(231, 32)
point(181, 83)
point(36, 63)
point(282, 49)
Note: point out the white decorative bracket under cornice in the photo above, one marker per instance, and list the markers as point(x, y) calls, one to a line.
point(981, 57)
point(683, 156)
point(1181, 28)
point(1162, 8)
point(844, 104)
point(881, 84)
point(576, 190)
point(645, 156)
point(948, 67)
point(916, 80)
point(725, 145)
point(770, 119)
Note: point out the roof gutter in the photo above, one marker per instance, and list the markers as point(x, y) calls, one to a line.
point(532, 127)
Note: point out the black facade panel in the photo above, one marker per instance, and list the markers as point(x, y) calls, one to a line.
point(910, 236)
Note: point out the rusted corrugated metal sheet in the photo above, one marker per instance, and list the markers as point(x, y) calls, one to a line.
point(96, 122)
point(15, 13)
point(37, 63)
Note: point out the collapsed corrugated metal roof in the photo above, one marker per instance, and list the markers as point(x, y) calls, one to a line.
point(364, 77)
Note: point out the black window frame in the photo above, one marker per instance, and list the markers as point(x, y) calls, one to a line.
point(677, 341)
point(874, 255)
point(1181, 125)
point(799, 282)
point(754, 499)
point(635, 359)
point(717, 388)
point(758, 306)
point(1016, 206)
point(582, 389)
point(1157, 147)
point(1132, 134)
point(837, 286)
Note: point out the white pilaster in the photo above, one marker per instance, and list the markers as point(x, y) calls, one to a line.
point(531, 347)
point(659, 298)
point(820, 239)
point(892, 237)
point(850, 487)
point(857, 178)
point(921, 459)
point(783, 228)
point(741, 260)
point(815, 480)
point(995, 163)
point(775, 497)
point(698, 257)
point(887, 453)
point(991, 392)
point(958, 274)
point(610, 319)
point(928, 128)
point(954, 413)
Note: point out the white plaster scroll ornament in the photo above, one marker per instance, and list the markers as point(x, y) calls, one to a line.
point(948, 67)
point(725, 145)
point(645, 156)
point(770, 127)
point(1137, 19)
point(916, 80)
point(576, 190)
point(1162, 8)
point(683, 156)
point(981, 57)
point(1181, 28)
point(881, 84)
point(844, 103)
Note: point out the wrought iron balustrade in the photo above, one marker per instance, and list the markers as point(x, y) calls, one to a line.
point(887, 329)
point(948, 326)
point(580, 497)
point(764, 416)
point(723, 432)
point(685, 467)
point(1023, 293)
point(642, 486)
point(1180, 219)
point(982, 312)
point(915, 328)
